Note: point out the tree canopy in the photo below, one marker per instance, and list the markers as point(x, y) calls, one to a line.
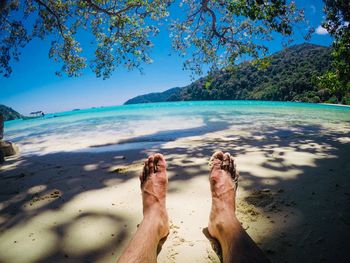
point(214, 32)
point(337, 23)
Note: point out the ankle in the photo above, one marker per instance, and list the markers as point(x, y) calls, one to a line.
point(155, 211)
point(223, 225)
point(225, 229)
point(158, 221)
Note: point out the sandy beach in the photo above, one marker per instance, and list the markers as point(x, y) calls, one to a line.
point(77, 206)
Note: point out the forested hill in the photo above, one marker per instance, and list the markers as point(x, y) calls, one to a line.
point(9, 113)
point(154, 97)
point(289, 77)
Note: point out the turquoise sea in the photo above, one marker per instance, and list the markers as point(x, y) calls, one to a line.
point(131, 125)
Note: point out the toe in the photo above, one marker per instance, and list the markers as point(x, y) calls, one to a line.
point(232, 165)
point(226, 162)
point(216, 160)
point(145, 173)
point(218, 155)
point(160, 163)
point(151, 164)
point(233, 171)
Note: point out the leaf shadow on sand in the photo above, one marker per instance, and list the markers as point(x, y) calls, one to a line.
point(299, 216)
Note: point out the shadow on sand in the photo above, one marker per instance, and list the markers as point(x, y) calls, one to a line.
point(302, 204)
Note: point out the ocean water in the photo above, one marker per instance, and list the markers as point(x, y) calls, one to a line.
point(132, 125)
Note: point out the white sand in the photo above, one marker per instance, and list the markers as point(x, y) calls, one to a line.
point(293, 198)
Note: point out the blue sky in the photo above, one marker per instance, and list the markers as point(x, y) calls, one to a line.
point(33, 84)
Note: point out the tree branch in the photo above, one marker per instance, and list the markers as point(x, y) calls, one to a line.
point(58, 21)
point(108, 12)
point(205, 8)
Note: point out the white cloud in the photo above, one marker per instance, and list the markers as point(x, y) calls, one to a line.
point(321, 31)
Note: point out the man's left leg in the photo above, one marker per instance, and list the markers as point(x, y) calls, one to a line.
point(155, 225)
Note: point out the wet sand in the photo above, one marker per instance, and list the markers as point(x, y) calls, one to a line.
point(293, 197)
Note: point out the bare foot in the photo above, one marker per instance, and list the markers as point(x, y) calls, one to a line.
point(154, 227)
point(236, 245)
point(223, 184)
point(154, 182)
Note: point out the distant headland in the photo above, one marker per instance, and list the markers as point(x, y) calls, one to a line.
point(290, 76)
point(9, 113)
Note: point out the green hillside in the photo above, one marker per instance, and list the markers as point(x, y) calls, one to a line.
point(154, 97)
point(9, 113)
point(289, 77)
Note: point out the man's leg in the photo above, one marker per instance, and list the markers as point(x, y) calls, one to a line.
point(154, 226)
point(224, 226)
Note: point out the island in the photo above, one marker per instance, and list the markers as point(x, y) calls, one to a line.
point(289, 76)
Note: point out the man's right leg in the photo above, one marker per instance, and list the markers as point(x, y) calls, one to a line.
point(154, 226)
point(236, 245)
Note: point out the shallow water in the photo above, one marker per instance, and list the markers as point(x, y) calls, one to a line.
point(147, 123)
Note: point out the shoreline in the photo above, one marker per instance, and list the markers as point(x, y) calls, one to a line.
point(332, 104)
point(84, 110)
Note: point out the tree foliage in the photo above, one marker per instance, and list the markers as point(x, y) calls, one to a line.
point(8, 113)
point(215, 32)
point(118, 30)
point(221, 31)
point(287, 78)
point(337, 23)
